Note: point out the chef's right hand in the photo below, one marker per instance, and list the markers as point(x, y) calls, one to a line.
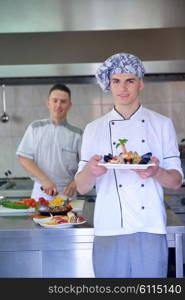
point(93, 167)
point(49, 188)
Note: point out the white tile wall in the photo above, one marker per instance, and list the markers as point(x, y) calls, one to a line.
point(27, 103)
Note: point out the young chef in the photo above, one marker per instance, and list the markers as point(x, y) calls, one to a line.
point(50, 148)
point(130, 217)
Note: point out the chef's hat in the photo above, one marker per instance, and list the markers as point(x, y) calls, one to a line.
point(116, 64)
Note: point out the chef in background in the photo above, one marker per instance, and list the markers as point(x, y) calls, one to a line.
point(130, 216)
point(50, 148)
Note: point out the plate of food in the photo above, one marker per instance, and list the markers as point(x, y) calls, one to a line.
point(61, 225)
point(47, 211)
point(127, 159)
point(126, 166)
point(17, 207)
point(66, 221)
point(57, 206)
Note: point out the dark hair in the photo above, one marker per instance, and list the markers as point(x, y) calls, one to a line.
point(60, 87)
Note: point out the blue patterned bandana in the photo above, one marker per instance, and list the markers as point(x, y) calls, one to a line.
point(116, 64)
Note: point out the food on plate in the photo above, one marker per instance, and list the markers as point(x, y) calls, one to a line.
point(30, 202)
point(14, 204)
point(71, 217)
point(58, 201)
point(127, 157)
point(43, 201)
point(55, 210)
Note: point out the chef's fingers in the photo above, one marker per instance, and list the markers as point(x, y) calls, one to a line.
point(54, 192)
point(50, 191)
point(69, 192)
point(155, 160)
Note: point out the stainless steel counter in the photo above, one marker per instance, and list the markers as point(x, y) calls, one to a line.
point(29, 250)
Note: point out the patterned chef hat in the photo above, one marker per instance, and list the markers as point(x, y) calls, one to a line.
point(116, 64)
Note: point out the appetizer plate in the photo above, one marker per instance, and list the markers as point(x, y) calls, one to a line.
point(62, 225)
point(126, 166)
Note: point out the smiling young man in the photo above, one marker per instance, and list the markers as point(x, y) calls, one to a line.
point(50, 148)
point(130, 216)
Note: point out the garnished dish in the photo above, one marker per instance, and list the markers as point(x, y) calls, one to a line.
point(127, 160)
point(56, 206)
point(71, 218)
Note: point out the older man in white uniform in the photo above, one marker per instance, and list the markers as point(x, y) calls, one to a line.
point(130, 217)
point(50, 148)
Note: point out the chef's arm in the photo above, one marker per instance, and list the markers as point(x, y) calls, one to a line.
point(86, 179)
point(33, 169)
point(171, 179)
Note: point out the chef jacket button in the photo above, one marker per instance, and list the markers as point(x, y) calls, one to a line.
point(142, 185)
point(120, 185)
point(143, 121)
point(112, 123)
point(142, 207)
point(114, 143)
point(142, 141)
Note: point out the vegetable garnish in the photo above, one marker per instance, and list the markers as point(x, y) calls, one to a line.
point(122, 143)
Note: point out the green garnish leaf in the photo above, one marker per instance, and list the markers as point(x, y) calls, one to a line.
point(123, 141)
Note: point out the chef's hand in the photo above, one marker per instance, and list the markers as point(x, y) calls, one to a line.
point(93, 167)
point(70, 189)
point(150, 171)
point(49, 188)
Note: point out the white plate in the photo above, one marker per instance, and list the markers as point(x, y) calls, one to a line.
point(41, 220)
point(125, 166)
point(13, 211)
point(63, 225)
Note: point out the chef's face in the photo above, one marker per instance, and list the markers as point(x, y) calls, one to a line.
point(58, 103)
point(125, 88)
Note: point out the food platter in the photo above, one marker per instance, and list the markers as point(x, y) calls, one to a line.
point(42, 221)
point(126, 166)
point(63, 225)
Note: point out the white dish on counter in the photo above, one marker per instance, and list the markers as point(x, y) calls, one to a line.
point(13, 211)
point(41, 220)
point(62, 225)
point(126, 166)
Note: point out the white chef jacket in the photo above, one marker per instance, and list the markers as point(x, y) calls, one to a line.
point(55, 149)
point(125, 202)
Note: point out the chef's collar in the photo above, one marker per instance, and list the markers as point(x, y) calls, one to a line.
point(63, 123)
point(135, 115)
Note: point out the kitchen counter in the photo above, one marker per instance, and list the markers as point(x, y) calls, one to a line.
point(29, 250)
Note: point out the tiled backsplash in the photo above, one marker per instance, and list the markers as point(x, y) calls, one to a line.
point(27, 103)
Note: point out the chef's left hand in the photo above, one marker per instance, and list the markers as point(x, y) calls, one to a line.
point(150, 171)
point(70, 189)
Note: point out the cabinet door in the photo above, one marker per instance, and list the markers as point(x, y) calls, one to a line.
point(68, 263)
point(20, 264)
